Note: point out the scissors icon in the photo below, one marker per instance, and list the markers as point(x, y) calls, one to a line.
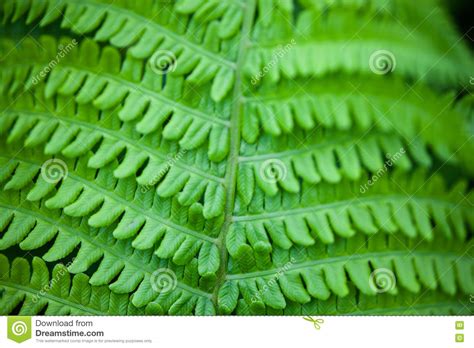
point(316, 322)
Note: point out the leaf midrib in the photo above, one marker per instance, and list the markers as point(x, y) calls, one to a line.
point(233, 159)
point(51, 298)
point(114, 134)
point(343, 258)
point(131, 86)
point(93, 241)
point(332, 139)
point(140, 19)
point(126, 203)
point(344, 203)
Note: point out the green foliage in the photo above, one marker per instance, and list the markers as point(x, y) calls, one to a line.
point(234, 157)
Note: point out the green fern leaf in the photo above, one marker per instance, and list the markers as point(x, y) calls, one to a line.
point(246, 157)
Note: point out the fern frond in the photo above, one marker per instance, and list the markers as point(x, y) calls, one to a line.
point(179, 233)
point(412, 15)
point(265, 165)
point(63, 127)
point(128, 26)
point(330, 157)
point(36, 291)
point(370, 103)
point(302, 274)
point(357, 303)
point(121, 267)
point(90, 74)
point(414, 207)
point(413, 55)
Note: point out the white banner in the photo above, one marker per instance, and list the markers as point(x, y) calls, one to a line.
point(442, 332)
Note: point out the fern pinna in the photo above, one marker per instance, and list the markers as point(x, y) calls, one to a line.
point(243, 157)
